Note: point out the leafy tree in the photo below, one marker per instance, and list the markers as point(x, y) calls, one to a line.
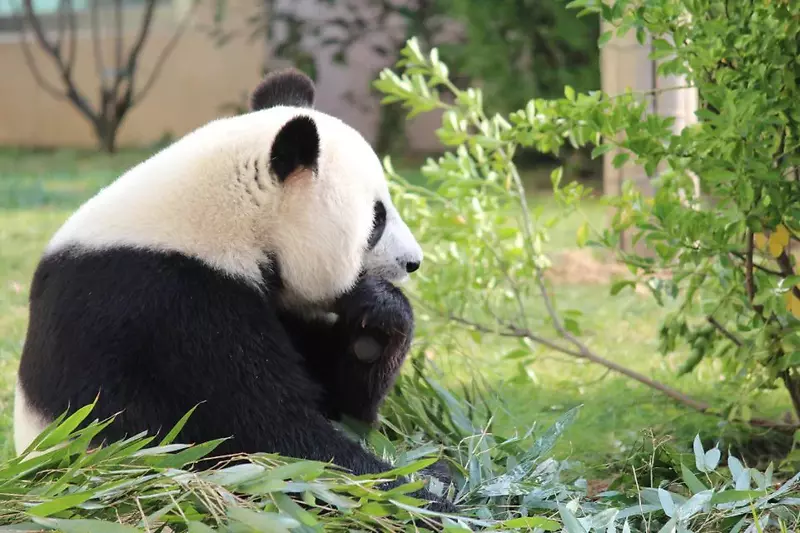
point(725, 260)
point(522, 49)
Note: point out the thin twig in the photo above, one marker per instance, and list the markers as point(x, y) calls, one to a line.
point(787, 270)
point(743, 257)
point(73, 37)
point(515, 334)
point(722, 329)
point(589, 355)
point(118, 41)
point(165, 53)
point(72, 92)
point(35, 72)
point(144, 31)
point(97, 37)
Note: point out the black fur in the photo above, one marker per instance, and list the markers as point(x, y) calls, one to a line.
point(296, 146)
point(374, 309)
point(285, 87)
point(378, 224)
point(157, 333)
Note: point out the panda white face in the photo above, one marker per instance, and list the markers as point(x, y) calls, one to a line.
point(337, 218)
point(283, 185)
point(393, 252)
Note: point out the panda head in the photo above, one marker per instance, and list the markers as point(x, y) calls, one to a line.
point(334, 219)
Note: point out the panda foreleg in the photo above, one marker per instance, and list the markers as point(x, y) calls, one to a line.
point(357, 357)
point(378, 326)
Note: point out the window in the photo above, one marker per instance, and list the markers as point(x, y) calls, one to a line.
point(48, 12)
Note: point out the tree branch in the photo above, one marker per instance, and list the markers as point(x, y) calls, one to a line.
point(118, 41)
point(73, 37)
point(144, 30)
point(37, 75)
point(722, 329)
point(162, 58)
point(98, 52)
point(584, 352)
point(743, 257)
point(787, 270)
point(791, 384)
point(72, 92)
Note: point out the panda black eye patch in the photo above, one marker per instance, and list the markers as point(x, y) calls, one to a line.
point(378, 224)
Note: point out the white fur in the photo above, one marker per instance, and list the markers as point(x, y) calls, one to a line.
point(187, 198)
point(28, 424)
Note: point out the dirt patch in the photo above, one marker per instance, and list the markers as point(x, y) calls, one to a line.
point(582, 267)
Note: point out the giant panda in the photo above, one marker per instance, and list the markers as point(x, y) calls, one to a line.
point(250, 268)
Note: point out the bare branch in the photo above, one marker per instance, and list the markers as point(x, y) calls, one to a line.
point(36, 73)
point(162, 58)
point(119, 37)
point(73, 36)
point(515, 333)
point(96, 40)
point(587, 354)
point(136, 50)
point(60, 24)
point(72, 92)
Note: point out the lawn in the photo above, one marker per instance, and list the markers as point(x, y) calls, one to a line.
point(39, 190)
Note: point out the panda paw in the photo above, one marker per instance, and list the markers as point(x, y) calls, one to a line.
point(379, 319)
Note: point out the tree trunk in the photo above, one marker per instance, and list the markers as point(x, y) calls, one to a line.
point(791, 381)
point(106, 133)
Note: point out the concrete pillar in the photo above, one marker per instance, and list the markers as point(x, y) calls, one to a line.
point(625, 64)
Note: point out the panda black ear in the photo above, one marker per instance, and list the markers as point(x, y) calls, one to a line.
point(296, 147)
point(285, 87)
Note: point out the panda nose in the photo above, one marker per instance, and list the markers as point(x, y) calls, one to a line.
point(412, 266)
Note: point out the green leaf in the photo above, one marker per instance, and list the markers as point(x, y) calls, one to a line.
point(556, 175)
point(262, 521)
point(85, 525)
point(571, 325)
point(571, 523)
point(601, 149)
point(620, 159)
point(531, 522)
point(605, 37)
point(583, 234)
point(60, 504)
point(699, 454)
point(729, 496)
point(60, 434)
point(199, 527)
point(694, 484)
point(407, 469)
point(290, 507)
point(792, 360)
point(185, 457)
point(304, 470)
point(177, 428)
point(617, 286)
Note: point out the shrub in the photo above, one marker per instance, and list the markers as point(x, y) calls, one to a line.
point(725, 260)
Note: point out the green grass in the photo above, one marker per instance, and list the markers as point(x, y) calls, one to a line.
point(39, 190)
